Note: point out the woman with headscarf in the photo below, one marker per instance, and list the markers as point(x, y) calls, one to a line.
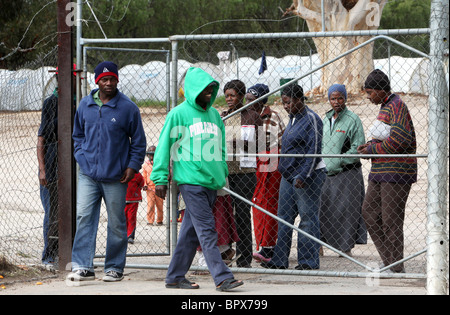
point(342, 224)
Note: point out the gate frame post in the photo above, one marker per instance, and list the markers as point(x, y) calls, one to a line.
point(437, 235)
point(66, 162)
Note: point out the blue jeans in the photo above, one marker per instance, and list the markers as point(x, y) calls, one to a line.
point(49, 199)
point(89, 197)
point(305, 203)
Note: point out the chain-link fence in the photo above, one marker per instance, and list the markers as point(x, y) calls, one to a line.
point(29, 198)
point(22, 214)
point(301, 198)
point(293, 185)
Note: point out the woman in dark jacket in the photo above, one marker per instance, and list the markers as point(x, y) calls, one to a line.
point(301, 183)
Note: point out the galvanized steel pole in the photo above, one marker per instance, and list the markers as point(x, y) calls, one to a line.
point(173, 188)
point(437, 237)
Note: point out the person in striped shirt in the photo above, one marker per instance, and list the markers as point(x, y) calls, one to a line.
point(390, 179)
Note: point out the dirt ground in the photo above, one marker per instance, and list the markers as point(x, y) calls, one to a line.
point(256, 286)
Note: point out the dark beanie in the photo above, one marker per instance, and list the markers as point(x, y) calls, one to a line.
point(259, 90)
point(106, 68)
point(377, 80)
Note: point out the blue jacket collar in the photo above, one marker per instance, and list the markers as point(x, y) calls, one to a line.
point(111, 103)
point(299, 114)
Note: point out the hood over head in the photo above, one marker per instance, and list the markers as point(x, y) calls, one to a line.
point(195, 82)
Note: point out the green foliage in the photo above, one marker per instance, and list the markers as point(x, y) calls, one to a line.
point(406, 14)
point(26, 27)
point(24, 33)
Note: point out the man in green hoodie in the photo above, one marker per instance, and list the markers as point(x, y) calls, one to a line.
point(193, 136)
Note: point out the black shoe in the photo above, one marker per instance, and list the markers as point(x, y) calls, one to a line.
point(269, 265)
point(81, 275)
point(112, 276)
point(305, 267)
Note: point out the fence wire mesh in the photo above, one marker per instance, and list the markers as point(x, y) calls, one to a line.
point(328, 208)
point(21, 211)
point(337, 208)
point(146, 81)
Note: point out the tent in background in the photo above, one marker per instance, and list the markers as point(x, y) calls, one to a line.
point(26, 89)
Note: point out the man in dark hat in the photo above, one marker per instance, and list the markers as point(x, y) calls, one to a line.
point(109, 142)
point(268, 177)
point(390, 179)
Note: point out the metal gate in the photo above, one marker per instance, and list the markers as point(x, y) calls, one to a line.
point(365, 261)
point(145, 80)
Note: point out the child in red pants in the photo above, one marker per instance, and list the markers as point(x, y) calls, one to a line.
point(133, 198)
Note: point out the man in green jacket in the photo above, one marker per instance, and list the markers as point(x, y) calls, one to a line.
point(193, 136)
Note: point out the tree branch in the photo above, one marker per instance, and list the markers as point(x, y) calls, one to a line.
point(308, 14)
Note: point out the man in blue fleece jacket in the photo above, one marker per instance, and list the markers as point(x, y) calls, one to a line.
point(109, 142)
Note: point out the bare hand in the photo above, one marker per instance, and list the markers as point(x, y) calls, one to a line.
point(42, 179)
point(161, 191)
point(127, 176)
point(299, 183)
point(362, 149)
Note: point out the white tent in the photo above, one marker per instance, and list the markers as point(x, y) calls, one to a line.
point(408, 75)
point(419, 78)
point(279, 70)
point(26, 89)
point(130, 82)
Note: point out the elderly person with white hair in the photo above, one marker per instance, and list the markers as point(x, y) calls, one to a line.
point(342, 224)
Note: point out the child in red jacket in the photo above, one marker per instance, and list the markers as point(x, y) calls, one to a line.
point(133, 198)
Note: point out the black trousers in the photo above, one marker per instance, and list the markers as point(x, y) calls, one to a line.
point(243, 185)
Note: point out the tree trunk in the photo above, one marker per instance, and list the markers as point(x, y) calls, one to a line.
point(341, 15)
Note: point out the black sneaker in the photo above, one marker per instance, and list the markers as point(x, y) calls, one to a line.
point(270, 265)
point(305, 267)
point(112, 276)
point(81, 275)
